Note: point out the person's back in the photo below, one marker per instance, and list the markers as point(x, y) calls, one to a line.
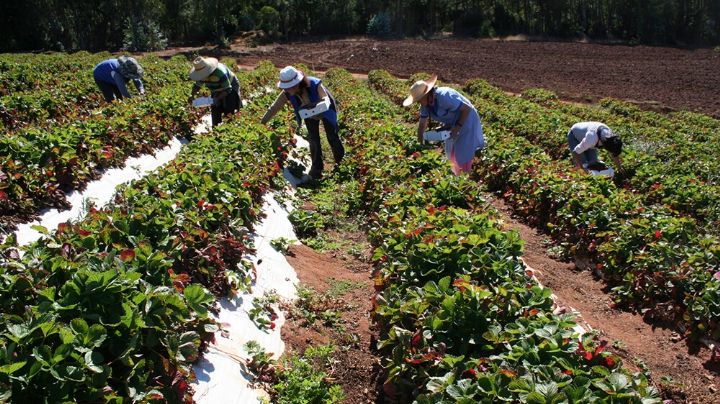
point(580, 129)
point(103, 70)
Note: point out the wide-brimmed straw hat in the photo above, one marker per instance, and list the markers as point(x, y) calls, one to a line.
point(419, 89)
point(289, 77)
point(129, 68)
point(202, 68)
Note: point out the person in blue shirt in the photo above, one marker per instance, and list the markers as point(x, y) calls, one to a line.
point(112, 75)
point(452, 109)
point(302, 91)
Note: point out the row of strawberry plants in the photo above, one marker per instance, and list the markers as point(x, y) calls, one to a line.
point(38, 164)
point(676, 184)
point(65, 91)
point(460, 318)
point(115, 307)
point(656, 259)
point(669, 166)
point(674, 164)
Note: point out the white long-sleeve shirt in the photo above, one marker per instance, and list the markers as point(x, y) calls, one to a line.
point(587, 134)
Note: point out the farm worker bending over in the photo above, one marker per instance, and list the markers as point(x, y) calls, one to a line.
point(303, 91)
point(585, 137)
point(446, 105)
point(112, 75)
point(223, 85)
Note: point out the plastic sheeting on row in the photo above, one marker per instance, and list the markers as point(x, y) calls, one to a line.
point(221, 373)
point(222, 376)
point(101, 191)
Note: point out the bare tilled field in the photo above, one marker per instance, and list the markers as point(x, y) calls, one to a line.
point(657, 77)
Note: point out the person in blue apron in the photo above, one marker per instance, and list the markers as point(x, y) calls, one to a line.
point(452, 109)
point(301, 91)
point(112, 75)
point(583, 140)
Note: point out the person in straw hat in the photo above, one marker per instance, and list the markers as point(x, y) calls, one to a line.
point(446, 105)
point(111, 76)
point(583, 140)
point(300, 91)
point(223, 85)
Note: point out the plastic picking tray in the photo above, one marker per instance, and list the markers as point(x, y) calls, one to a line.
point(436, 135)
point(312, 110)
point(202, 102)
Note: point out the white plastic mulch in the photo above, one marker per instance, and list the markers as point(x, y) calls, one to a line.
point(222, 376)
point(101, 191)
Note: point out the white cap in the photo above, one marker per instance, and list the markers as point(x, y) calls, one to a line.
point(289, 77)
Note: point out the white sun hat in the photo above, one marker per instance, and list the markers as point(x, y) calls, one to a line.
point(419, 89)
point(289, 77)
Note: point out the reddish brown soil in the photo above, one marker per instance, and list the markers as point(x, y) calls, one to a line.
point(664, 353)
point(358, 369)
point(675, 78)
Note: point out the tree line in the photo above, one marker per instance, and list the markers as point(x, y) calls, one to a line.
point(155, 24)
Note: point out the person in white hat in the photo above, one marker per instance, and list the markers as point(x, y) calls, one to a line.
point(223, 85)
point(451, 108)
point(301, 91)
point(583, 140)
point(111, 76)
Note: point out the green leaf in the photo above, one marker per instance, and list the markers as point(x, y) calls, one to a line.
point(40, 229)
point(96, 335)
point(94, 361)
point(197, 297)
point(454, 391)
point(80, 326)
point(12, 368)
point(618, 381)
point(535, 398)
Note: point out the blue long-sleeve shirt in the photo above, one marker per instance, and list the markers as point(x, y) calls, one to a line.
point(108, 71)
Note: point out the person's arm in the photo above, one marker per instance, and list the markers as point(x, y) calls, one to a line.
point(618, 161)
point(576, 160)
point(464, 112)
point(322, 94)
point(422, 126)
point(274, 108)
point(588, 142)
point(139, 85)
point(195, 89)
point(120, 82)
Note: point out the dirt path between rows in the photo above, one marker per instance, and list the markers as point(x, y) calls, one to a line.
point(358, 369)
point(659, 78)
point(639, 343)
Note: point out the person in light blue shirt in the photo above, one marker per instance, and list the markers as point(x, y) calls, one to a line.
point(111, 76)
point(445, 105)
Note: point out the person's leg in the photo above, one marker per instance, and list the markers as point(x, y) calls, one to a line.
point(590, 156)
point(216, 115)
point(106, 89)
point(118, 93)
point(313, 127)
point(572, 144)
point(331, 131)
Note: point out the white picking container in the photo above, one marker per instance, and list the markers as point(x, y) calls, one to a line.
point(436, 135)
point(608, 172)
point(316, 109)
point(202, 102)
